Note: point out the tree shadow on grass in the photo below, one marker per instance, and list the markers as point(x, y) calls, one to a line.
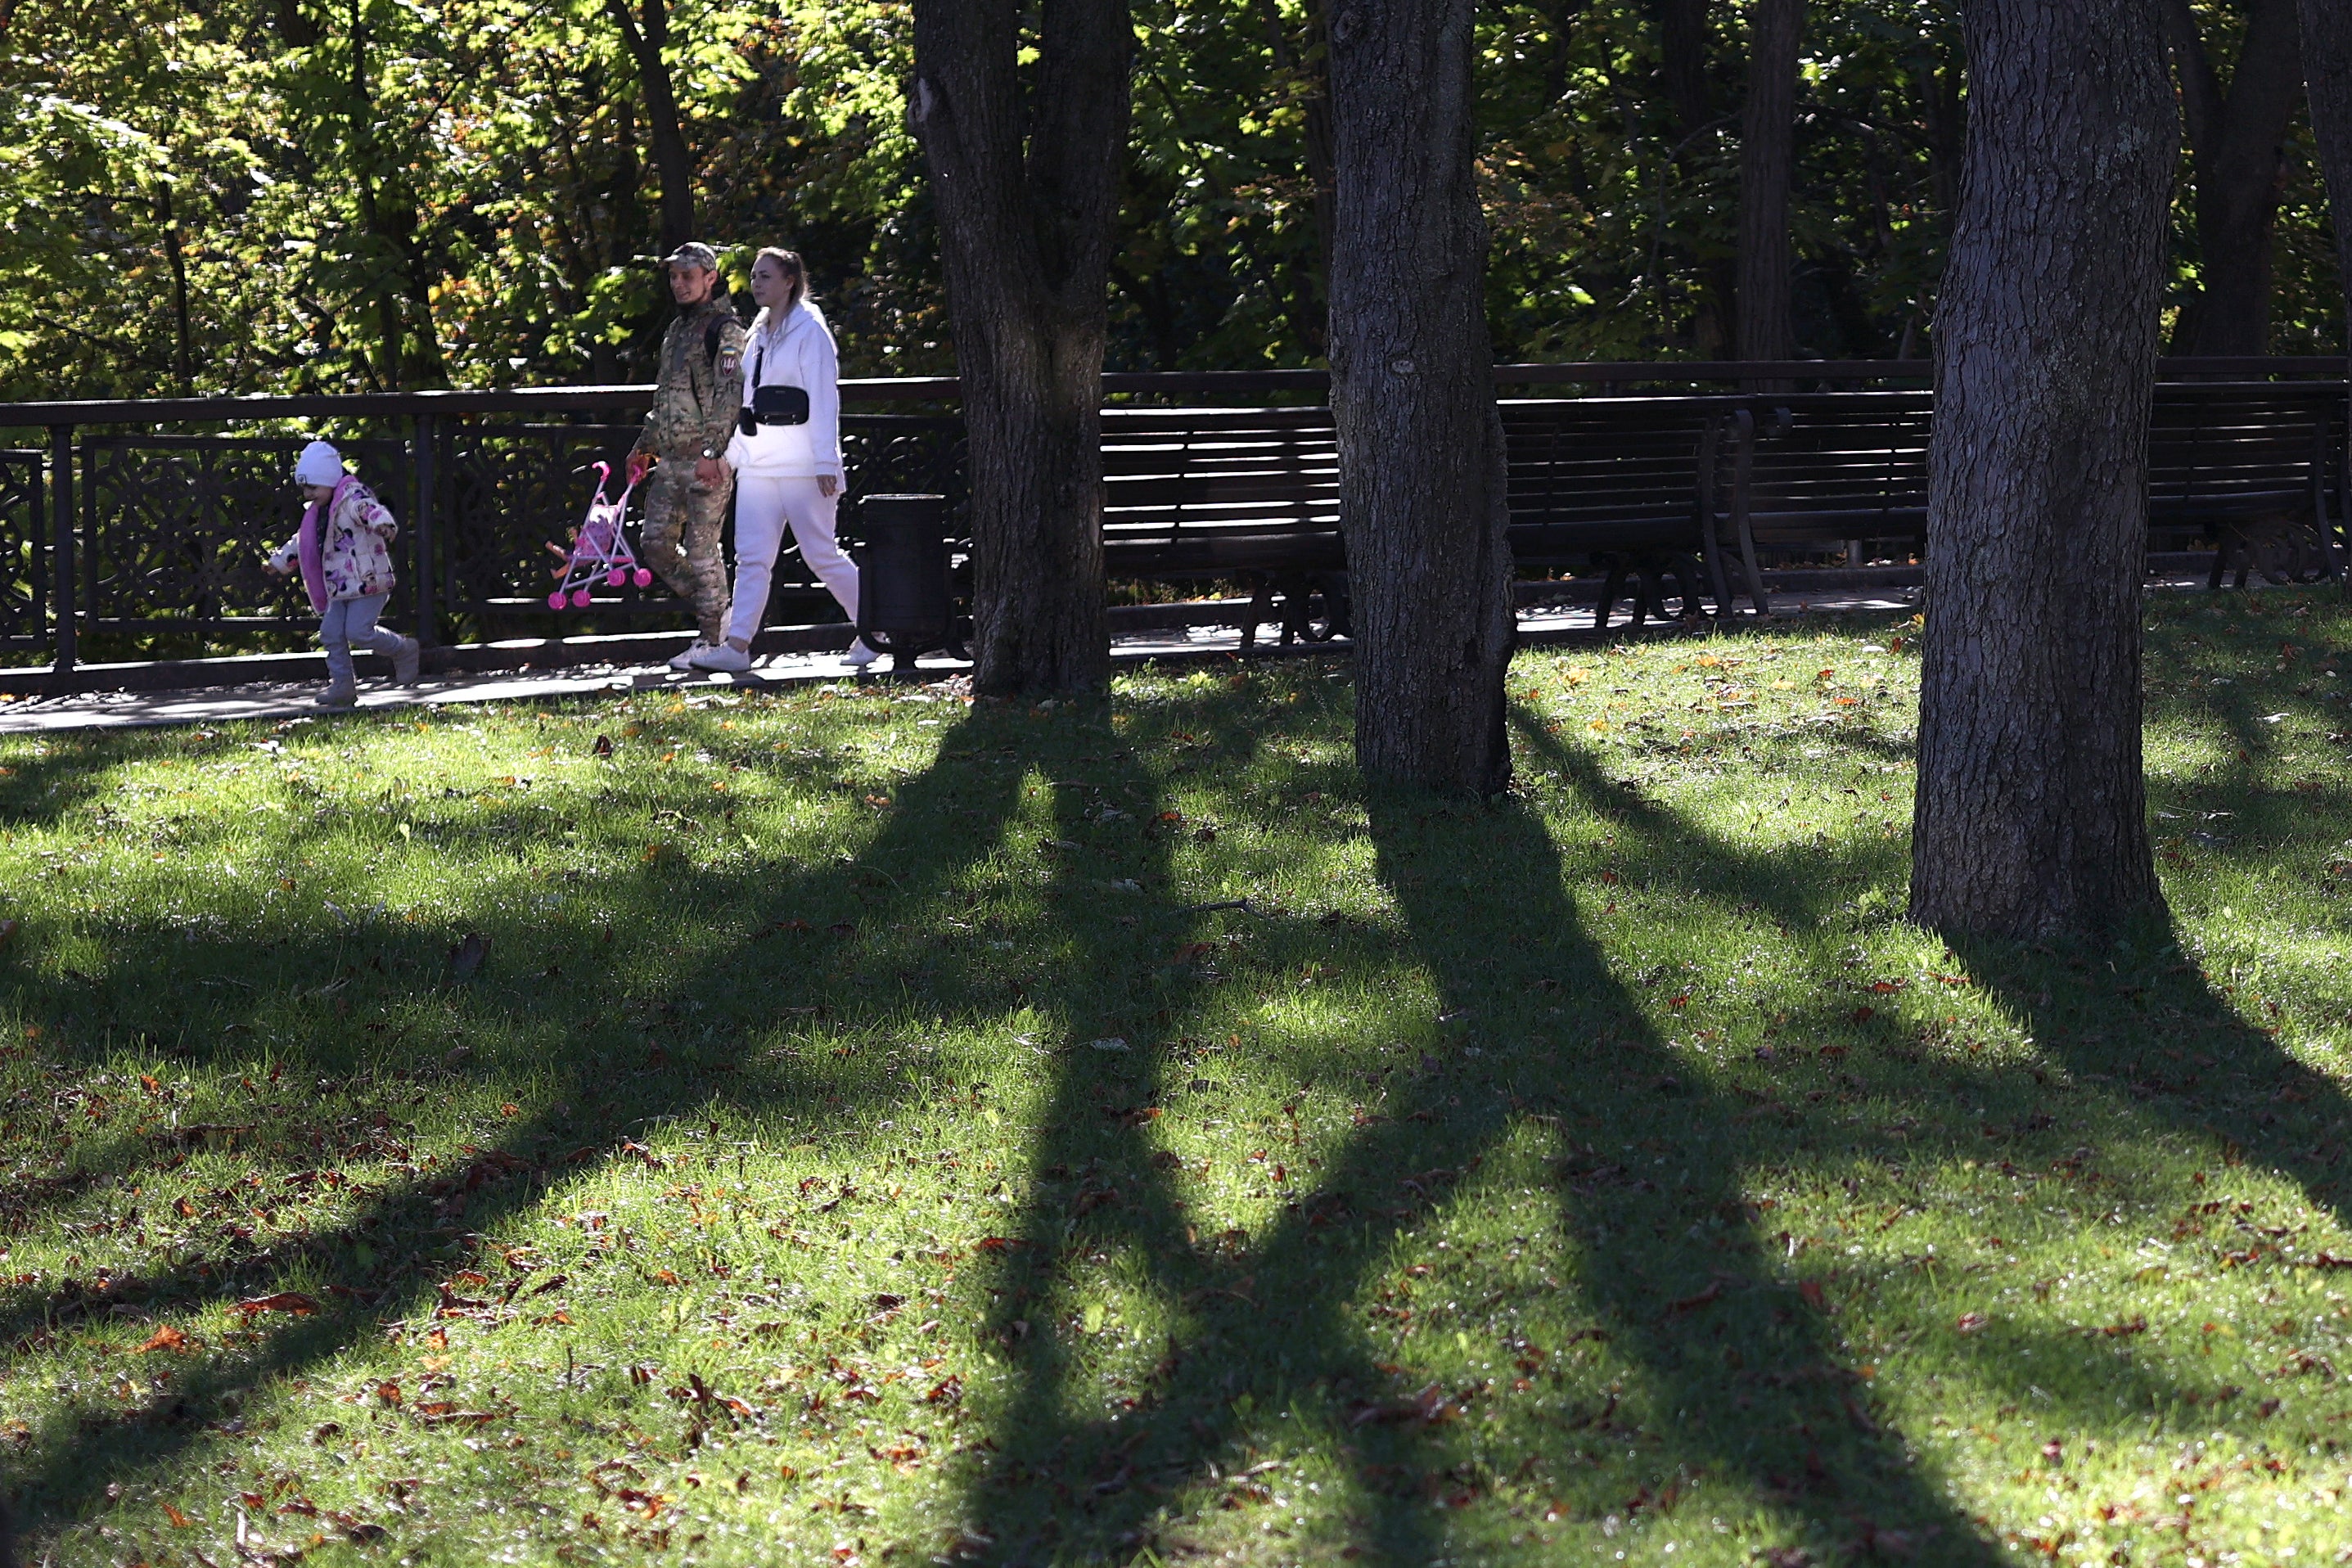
point(385, 1261)
point(1741, 1383)
point(2223, 1080)
point(2087, 1006)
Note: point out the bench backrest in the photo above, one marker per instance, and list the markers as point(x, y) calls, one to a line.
point(1186, 484)
point(1189, 487)
point(2238, 448)
point(1197, 488)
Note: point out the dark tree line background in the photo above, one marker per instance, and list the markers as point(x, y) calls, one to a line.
point(278, 194)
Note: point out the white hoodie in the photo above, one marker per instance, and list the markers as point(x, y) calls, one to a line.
point(798, 352)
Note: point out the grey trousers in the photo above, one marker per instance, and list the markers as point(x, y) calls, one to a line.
point(349, 624)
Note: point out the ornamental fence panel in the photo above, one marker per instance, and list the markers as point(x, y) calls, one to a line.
point(137, 528)
point(24, 552)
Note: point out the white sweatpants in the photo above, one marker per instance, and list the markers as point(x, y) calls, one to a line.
point(762, 505)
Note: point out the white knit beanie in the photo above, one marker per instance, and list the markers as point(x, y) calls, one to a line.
point(320, 463)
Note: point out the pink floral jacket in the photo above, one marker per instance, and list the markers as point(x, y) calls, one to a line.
point(355, 547)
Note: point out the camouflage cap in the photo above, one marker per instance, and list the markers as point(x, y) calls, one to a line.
point(693, 253)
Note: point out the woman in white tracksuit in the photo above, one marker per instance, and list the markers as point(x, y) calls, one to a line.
point(785, 474)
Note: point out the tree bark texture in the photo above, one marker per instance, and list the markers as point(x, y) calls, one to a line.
point(1026, 185)
point(2327, 75)
point(2327, 72)
point(673, 161)
point(2031, 816)
point(1682, 41)
point(1682, 60)
point(1421, 443)
point(2237, 149)
point(1767, 155)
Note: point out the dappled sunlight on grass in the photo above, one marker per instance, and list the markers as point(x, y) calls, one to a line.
point(874, 1126)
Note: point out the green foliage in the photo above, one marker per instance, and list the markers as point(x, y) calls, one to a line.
point(319, 194)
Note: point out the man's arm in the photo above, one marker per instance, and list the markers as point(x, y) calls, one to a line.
point(725, 398)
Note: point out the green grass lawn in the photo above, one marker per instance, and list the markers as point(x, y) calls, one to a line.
point(864, 1127)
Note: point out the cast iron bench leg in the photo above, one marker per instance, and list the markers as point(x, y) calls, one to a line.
point(1609, 589)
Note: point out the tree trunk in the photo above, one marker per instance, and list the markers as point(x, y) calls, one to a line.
point(1682, 37)
point(2030, 817)
point(1767, 152)
point(2236, 149)
point(1024, 214)
point(1682, 60)
point(672, 161)
point(2327, 73)
point(1413, 394)
point(183, 353)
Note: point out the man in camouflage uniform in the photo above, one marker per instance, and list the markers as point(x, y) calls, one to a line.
point(695, 404)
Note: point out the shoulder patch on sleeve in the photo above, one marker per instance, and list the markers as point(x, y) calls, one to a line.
point(730, 362)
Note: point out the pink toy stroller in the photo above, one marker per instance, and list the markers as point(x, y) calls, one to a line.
point(599, 548)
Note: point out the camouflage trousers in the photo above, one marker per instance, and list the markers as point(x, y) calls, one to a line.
point(682, 539)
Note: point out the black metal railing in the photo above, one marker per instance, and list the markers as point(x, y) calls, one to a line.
point(136, 528)
point(139, 531)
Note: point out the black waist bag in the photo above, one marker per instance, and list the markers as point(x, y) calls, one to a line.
point(774, 406)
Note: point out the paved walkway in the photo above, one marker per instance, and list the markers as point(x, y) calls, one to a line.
point(280, 699)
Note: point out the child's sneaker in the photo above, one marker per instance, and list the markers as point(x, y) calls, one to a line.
point(340, 695)
point(685, 661)
point(726, 659)
point(859, 656)
point(404, 662)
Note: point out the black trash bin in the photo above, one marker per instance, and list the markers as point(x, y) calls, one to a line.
point(904, 607)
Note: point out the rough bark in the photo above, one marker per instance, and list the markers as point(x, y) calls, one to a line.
point(183, 353)
point(1412, 396)
point(1682, 60)
point(2237, 151)
point(672, 160)
point(1026, 184)
point(1767, 328)
point(2327, 72)
point(1682, 37)
point(2030, 814)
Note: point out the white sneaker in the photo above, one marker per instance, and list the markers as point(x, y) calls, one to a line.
point(685, 661)
point(859, 656)
point(726, 659)
point(404, 662)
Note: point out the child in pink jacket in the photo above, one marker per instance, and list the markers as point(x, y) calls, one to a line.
point(343, 551)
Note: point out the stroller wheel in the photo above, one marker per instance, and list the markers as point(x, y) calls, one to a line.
point(644, 577)
point(582, 598)
point(555, 601)
point(616, 577)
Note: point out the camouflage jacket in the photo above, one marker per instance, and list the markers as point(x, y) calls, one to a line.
point(700, 390)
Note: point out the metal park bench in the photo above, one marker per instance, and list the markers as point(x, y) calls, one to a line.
point(2250, 469)
point(1809, 472)
point(1252, 495)
point(1613, 482)
point(2253, 469)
